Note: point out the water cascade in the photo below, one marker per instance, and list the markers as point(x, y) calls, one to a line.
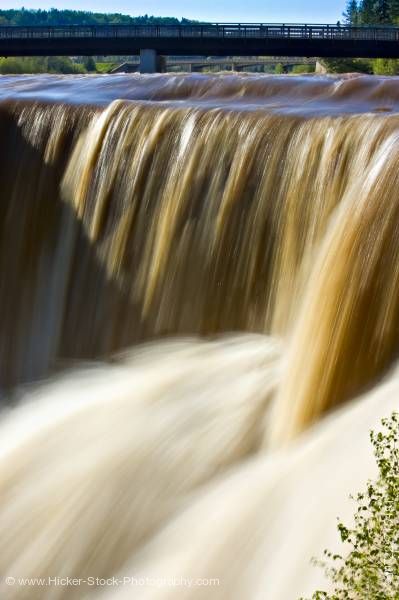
point(256, 219)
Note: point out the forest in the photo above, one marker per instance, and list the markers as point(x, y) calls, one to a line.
point(372, 12)
point(54, 16)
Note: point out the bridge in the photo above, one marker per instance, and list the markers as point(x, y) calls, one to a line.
point(193, 65)
point(216, 39)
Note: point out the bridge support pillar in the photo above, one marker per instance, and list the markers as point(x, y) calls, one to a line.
point(320, 68)
point(150, 62)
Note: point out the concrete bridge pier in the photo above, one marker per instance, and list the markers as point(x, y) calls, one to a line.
point(151, 62)
point(320, 68)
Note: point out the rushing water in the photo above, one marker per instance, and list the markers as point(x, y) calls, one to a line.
point(137, 208)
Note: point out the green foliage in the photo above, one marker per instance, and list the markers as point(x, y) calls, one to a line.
point(370, 570)
point(78, 17)
point(53, 64)
point(394, 6)
point(279, 69)
point(63, 64)
point(347, 65)
point(303, 69)
point(351, 15)
point(89, 64)
point(105, 67)
point(382, 11)
point(385, 66)
point(378, 12)
point(366, 10)
point(19, 66)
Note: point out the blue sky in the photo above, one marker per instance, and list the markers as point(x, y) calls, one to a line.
point(310, 11)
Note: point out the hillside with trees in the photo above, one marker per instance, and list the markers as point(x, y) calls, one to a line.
point(54, 16)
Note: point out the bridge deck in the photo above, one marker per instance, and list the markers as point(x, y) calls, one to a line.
point(213, 39)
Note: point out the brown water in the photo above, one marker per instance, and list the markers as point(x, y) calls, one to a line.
point(301, 94)
point(137, 208)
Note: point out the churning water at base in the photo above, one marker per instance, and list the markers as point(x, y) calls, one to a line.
point(139, 208)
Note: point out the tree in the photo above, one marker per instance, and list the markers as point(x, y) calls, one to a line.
point(370, 570)
point(79, 17)
point(385, 66)
point(89, 64)
point(63, 64)
point(298, 69)
point(351, 15)
point(394, 11)
point(367, 13)
point(382, 11)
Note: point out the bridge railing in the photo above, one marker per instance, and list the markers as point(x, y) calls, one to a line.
point(216, 30)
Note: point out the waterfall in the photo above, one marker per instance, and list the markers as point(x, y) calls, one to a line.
point(253, 218)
